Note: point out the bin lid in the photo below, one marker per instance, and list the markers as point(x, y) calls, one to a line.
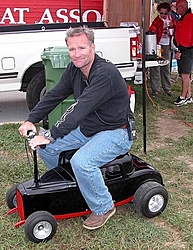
point(58, 56)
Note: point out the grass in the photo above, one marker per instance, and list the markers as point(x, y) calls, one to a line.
point(126, 230)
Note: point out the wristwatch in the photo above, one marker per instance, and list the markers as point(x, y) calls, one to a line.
point(47, 135)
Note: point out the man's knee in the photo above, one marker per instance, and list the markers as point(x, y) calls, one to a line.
point(77, 161)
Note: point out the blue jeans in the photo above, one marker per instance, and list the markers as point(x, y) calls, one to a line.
point(93, 153)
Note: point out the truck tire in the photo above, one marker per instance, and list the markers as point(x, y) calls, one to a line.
point(34, 89)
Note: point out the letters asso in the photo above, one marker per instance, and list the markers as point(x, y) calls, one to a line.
point(49, 11)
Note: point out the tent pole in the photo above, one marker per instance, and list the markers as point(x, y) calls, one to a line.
point(80, 10)
point(144, 76)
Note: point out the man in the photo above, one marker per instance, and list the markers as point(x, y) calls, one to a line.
point(97, 123)
point(176, 16)
point(184, 55)
point(173, 11)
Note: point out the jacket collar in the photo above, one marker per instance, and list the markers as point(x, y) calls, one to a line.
point(187, 12)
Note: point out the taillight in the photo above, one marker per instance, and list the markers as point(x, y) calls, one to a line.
point(133, 48)
point(136, 49)
point(139, 49)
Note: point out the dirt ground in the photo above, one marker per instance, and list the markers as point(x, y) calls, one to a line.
point(168, 127)
point(171, 128)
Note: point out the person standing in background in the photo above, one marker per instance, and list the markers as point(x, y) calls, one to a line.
point(162, 25)
point(183, 40)
point(174, 13)
point(176, 16)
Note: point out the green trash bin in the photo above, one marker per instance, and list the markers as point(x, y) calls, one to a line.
point(55, 60)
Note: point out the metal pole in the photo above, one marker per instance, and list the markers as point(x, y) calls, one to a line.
point(80, 11)
point(36, 179)
point(144, 76)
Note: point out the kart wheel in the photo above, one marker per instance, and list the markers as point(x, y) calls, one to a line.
point(150, 199)
point(40, 226)
point(11, 198)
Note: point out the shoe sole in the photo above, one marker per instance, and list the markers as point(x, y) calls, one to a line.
point(93, 228)
point(185, 103)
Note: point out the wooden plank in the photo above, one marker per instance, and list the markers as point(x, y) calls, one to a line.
point(117, 11)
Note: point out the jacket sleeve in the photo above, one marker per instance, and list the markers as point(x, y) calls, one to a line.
point(52, 98)
point(157, 27)
point(154, 26)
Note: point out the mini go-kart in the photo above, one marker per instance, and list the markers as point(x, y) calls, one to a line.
point(43, 200)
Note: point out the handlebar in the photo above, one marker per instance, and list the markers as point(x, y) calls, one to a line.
point(30, 134)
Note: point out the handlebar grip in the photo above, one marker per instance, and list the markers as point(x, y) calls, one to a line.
point(30, 134)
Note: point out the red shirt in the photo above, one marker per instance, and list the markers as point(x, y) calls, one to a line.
point(184, 31)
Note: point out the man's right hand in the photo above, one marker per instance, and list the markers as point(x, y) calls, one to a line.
point(25, 127)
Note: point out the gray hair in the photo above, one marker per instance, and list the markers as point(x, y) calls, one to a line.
point(71, 32)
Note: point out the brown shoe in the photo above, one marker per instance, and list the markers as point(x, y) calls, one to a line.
point(96, 221)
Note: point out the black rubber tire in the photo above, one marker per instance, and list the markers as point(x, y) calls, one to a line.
point(40, 226)
point(150, 199)
point(35, 88)
point(11, 199)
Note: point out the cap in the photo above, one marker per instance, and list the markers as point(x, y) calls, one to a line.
point(181, 1)
point(173, 1)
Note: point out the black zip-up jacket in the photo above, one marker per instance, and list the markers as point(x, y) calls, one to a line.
point(101, 101)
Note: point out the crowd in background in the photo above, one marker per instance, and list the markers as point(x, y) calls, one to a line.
point(173, 26)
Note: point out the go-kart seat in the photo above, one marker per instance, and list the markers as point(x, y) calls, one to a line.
point(122, 166)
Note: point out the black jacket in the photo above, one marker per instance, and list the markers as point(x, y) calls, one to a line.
point(101, 101)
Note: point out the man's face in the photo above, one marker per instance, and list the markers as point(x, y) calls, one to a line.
point(81, 51)
point(180, 8)
point(173, 5)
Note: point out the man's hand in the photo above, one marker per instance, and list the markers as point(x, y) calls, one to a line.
point(25, 127)
point(178, 55)
point(38, 141)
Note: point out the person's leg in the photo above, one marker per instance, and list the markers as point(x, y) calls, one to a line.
point(101, 149)
point(186, 85)
point(155, 79)
point(185, 65)
point(171, 57)
point(50, 154)
point(165, 78)
point(165, 70)
point(186, 77)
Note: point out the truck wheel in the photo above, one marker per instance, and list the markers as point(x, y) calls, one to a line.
point(150, 199)
point(40, 226)
point(11, 198)
point(35, 88)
